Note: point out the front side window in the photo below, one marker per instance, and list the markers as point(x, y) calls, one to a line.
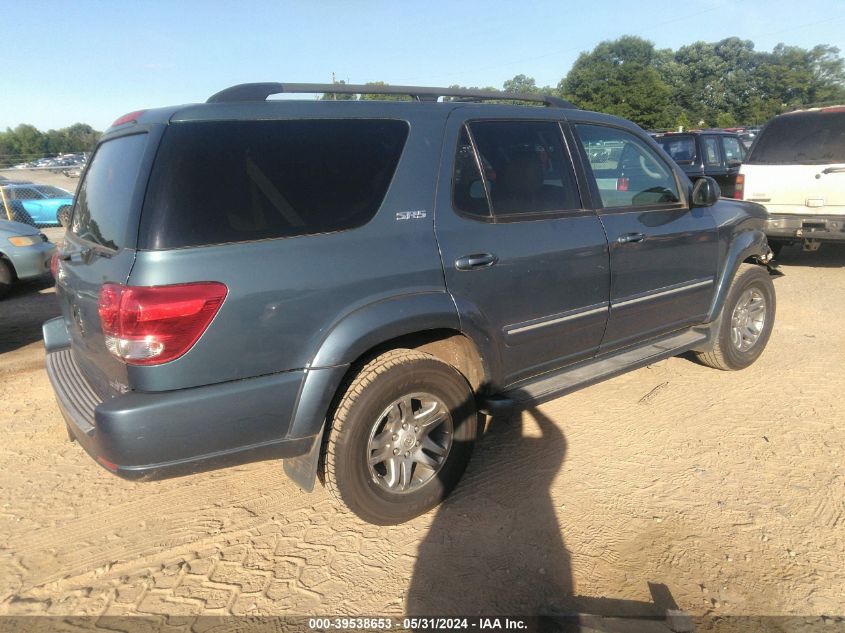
point(25, 193)
point(711, 151)
point(627, 172)
point(527, 169)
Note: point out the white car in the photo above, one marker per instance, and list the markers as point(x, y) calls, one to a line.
point(796, 169)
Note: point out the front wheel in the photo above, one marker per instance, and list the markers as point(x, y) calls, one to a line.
point(400, 438)
point(63, 216)
point(747, 319)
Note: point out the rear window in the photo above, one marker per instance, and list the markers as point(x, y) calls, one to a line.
point(236, 181)
point(796, 139)
point(104, 198)
point(680, 148)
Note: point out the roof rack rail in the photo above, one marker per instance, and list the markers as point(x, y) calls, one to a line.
point(260, 92)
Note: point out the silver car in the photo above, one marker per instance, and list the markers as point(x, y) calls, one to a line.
point(25, 253)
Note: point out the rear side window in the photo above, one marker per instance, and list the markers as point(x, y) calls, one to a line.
point(680, 148)
point(627, 172)
point(235, 181)
point(796, 139)
point(104, 198)
point(527, 169)
point(732, 148)
point(711, 151)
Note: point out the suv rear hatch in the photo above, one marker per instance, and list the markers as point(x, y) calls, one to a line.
point(99, 248)
point(797, 164)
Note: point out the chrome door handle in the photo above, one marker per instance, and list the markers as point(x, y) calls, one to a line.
point(477, 260)
point(630, 237)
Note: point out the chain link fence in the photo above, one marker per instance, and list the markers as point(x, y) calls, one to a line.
point(40, 196)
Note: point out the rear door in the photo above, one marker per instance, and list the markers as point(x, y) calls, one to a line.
point(715, 163)
point(734, 153)
point(99, 248)
point(663, 254)
point(797, 164)
point(526, 263)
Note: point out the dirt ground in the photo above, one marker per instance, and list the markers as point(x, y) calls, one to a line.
point(727, 488)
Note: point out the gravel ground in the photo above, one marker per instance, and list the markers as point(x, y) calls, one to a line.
point(727, 488)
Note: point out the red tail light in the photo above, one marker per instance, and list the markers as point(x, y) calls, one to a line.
point(739, 191)
point(54, 265)
point(132, 117)
point(622, 184)
point(150, 325)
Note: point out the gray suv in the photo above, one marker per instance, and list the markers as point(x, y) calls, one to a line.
point(346, 284)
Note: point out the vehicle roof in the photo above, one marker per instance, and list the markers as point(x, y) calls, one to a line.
point(312, 108)
point(697, 133)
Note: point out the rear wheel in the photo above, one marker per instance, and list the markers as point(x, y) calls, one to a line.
point(746, 320)
point(401, 436)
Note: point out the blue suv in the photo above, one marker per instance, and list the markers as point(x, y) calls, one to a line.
point(347, 284)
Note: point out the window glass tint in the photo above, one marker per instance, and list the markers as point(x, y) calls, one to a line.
point(627, 171)
point(806, 138)
point(25, 193)
point(528, 169)
point(680, 148)
point(103, 200)
point(53, 192)
point(468, 193)
point(711, 151)
point(234, 181)
point(733, 149)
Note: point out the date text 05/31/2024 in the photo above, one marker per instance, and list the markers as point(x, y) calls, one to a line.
point(421, 623)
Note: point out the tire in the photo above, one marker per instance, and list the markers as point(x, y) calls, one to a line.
point(400, 387)
point(744, 329)
point(7, 277)
point(63, 215)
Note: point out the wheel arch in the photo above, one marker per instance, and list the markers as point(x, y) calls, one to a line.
point(426, 322)
point(747, 247)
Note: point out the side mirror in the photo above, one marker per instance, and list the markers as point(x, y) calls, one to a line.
point(705, 192)
point(732, 163)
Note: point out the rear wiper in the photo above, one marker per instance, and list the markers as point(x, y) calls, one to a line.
point(833, 170)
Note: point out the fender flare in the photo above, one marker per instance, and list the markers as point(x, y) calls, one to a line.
point(747, 244)
point(351, 337)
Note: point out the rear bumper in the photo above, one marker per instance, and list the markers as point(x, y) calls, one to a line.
point(806, 227)
point(155, 435)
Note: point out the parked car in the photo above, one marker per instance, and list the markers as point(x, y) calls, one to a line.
point(712, 153)
point(47, 205)
point(24, 254)
point(796, 169)
point(248, 279)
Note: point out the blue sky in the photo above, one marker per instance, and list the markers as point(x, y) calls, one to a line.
point(89, 61)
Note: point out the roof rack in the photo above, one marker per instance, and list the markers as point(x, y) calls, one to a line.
point(260, 92)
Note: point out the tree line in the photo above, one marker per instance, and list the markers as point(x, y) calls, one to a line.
point(721, 84)
point(704, 84)
point(26, 142)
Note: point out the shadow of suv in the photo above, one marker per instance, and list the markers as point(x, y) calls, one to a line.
point(346, 284)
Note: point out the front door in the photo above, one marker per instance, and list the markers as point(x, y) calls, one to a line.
point(663, 254)
point(521, 255)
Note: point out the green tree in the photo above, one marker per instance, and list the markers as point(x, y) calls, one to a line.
point(334, 96)
point(620, 77)
point(725, 119)
point(383, 97)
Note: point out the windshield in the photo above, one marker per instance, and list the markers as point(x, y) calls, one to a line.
point(806, 138)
